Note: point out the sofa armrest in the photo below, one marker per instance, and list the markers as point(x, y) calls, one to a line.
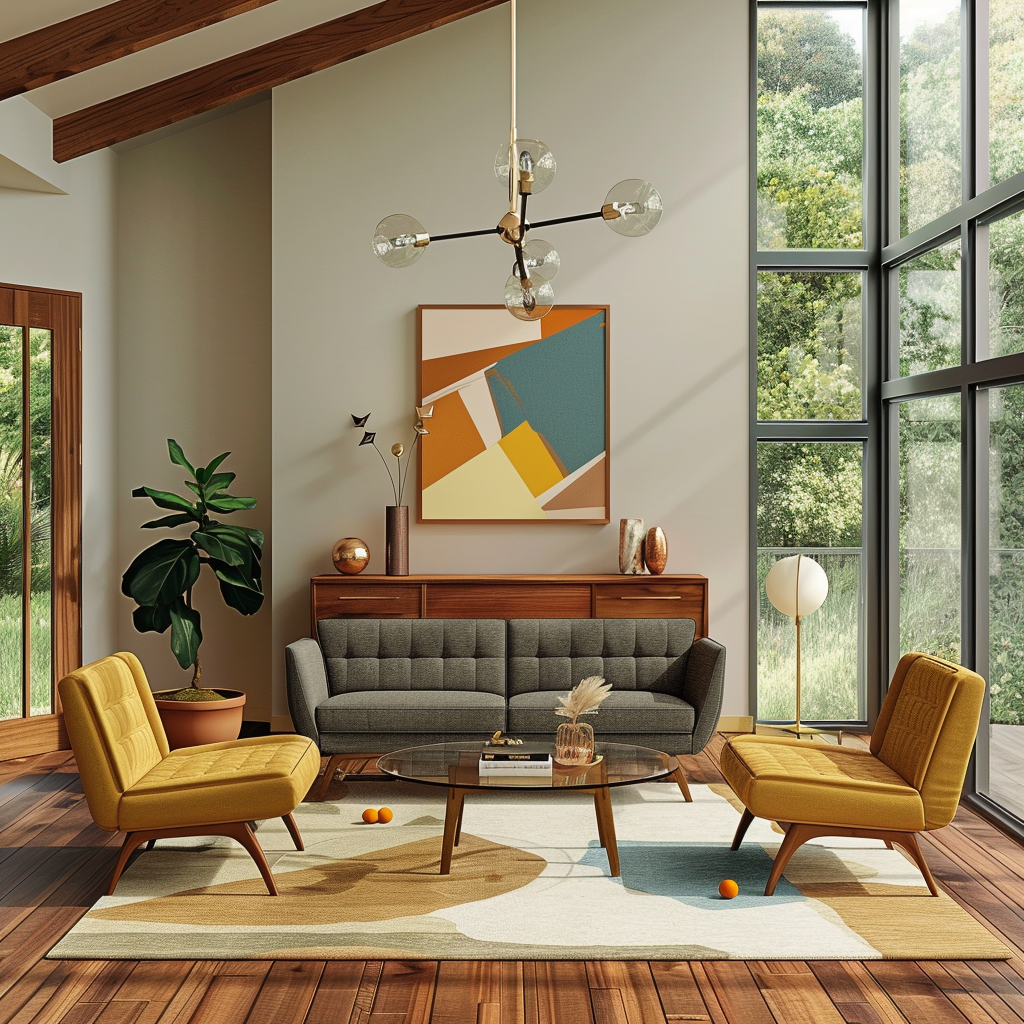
point(703, 686)
point(307, 685)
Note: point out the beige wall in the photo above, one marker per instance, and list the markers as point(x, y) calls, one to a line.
point(194, 328)
point(657, 89)
point(69, 242)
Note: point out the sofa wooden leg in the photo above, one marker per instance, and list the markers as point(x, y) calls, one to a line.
point(293, 831)
point(131, 842)
point(909, 843)
point(796, 836)
point(325, 783)
point(741, 829)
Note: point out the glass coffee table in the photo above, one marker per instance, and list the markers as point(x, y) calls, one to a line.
point(455, 767)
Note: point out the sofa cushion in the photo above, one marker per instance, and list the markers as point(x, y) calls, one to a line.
point(632, 712)
point(414, 654)
point(795, 780)
point(632, 654)
point(412, 711)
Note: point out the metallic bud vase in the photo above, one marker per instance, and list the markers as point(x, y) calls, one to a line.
point(396, 540)
point(631, 546)
point(656, 550)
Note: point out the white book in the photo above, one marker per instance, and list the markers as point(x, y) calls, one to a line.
point(491, 768)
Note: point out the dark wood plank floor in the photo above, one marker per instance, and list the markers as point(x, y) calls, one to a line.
point(54, 863)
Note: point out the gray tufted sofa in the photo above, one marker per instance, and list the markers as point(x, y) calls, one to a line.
point(370, 686)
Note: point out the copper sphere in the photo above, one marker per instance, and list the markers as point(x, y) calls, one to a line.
point(350, 555)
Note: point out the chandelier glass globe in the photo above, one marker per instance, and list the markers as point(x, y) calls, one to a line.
point(534, 158)
point(540, 258)
point(633, 207)
point(528, 301)
point(395, 240)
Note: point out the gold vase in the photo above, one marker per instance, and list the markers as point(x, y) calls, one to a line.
point(574, 743)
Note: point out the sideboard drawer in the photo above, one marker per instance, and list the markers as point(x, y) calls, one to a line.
point(366, 601)
point(669, 600)
point(509, 601)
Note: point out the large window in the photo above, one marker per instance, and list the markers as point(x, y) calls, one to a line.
point(40, 510)
point(814, 295)
point(887, 395)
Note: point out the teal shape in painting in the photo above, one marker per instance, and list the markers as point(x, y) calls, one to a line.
point(558, 386)
point(690, 872)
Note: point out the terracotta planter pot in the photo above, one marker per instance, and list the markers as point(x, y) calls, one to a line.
point(190, 724)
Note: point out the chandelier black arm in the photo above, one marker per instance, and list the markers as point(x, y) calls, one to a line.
point(563, 220)
point(465, 234)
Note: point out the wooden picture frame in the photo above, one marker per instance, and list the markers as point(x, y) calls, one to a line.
point(520, 428)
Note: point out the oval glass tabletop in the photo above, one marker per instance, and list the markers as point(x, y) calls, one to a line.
point(457, 764)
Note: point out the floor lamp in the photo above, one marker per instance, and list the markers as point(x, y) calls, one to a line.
point(797, 586)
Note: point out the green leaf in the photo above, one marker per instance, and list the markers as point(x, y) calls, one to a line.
point(242, 599)
point(170, 521)
point(229, 504)
point(195, 488)
point(224, 547)
point(150, 618)
point(204, 474)
point(164, 499)
point(178, 456)
point(235, 576)
point(186, 636)
point(219, 481)
point(162, 572)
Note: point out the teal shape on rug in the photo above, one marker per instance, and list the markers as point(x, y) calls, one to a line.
point(690, 872)
point(558, 386)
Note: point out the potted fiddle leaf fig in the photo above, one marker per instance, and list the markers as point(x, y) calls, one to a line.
point(160, 581)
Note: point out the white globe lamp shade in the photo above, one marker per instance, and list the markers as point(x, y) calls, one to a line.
point(781, 586)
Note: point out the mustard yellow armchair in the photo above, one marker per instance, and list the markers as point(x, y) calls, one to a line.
point(133, 783)
point(909, 781)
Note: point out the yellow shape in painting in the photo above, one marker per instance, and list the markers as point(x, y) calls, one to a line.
point(486, 487)
point(528, 453)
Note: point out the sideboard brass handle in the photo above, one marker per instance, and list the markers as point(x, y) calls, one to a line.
point(674, 597)
point(367, 597)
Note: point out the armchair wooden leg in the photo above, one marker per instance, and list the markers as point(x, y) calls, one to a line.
point(680, 779)
point(741, 829)
point(293, 830)
point(796, 836)
point(240, 831)
point(909, 843)
point(325, 783)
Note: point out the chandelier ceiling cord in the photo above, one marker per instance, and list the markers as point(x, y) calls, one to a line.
point(632, 207)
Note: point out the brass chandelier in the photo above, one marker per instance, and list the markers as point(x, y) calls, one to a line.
point(632, 207)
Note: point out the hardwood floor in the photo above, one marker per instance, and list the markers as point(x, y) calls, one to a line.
point(54, 863)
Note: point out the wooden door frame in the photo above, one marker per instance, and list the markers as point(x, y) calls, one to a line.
point(61, 313)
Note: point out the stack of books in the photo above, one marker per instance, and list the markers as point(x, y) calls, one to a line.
point(531, 760)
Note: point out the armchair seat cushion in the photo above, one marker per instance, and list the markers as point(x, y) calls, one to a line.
point(804, 782)
point(243, 780)
point(412, 711)
point(624, 712)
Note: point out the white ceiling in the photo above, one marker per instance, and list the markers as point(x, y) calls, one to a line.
point(185, 53)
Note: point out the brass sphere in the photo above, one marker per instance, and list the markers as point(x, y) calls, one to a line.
point(398, 449)
point(350, 555)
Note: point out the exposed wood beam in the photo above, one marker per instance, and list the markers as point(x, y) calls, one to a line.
point(103, 35)
point(265, 67)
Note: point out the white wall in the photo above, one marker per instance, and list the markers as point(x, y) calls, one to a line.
point(655, 89)
point(69, 242)
point(194, 327)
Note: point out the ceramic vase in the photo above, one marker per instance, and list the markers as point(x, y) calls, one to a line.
point(631, 546)
point(574, 743)
point(396, 540)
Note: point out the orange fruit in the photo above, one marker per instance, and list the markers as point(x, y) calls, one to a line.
point(384, 815)
point(370, 816)
point(727, 889)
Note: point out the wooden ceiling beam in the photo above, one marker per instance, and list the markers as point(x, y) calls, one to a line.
point(105, 34)
point(265, 67)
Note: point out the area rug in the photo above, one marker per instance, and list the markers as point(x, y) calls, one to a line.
point(529, 881)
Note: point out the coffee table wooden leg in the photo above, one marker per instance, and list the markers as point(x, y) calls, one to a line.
point(600, 820)
point(452, 814)
point(458, 824)
point(680, 780)
point(606, 828)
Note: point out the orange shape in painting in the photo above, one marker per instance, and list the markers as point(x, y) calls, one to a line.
point(587, 491)
point(532, 459)
point(559, 318)
point(453, 440)
point(439, 373)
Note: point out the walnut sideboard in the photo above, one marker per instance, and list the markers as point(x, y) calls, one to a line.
point(606, 596)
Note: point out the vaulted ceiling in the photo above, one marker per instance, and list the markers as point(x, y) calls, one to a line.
point(109, 72)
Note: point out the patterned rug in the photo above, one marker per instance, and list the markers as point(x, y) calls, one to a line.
point(529, 881)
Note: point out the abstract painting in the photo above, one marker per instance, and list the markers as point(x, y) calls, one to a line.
point(519, 431)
